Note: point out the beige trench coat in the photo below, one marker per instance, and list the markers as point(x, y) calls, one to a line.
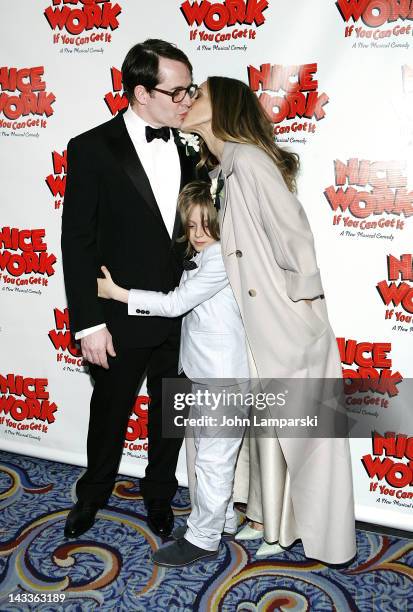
point(299, 488)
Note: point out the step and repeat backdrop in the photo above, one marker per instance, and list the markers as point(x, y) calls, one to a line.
point(337, 80)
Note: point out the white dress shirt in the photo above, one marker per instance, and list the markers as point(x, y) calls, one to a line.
point(160, 160)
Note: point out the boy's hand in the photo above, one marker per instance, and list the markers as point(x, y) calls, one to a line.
point(106, 286)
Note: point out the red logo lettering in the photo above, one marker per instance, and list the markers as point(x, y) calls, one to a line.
point(89, 16)
point(375, 13)
point(115, 101)
point(216, 15)
point(29, 96)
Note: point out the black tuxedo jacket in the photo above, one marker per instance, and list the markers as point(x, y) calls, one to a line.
point(110, 217)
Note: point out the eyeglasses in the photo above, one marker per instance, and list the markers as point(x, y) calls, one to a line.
point(179, 93)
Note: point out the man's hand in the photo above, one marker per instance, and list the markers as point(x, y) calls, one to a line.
point(96, 345)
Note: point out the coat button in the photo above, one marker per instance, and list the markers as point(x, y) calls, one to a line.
point(138, 311)
point(238, 253)
point(252, 292)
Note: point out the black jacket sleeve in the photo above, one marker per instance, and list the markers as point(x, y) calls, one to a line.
point(79, 234)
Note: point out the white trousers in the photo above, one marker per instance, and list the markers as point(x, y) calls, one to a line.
point(211, 459)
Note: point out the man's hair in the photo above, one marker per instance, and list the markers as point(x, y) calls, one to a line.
point(141, 64)
point(193, 194)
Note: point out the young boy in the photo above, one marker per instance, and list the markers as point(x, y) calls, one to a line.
point(213, 347)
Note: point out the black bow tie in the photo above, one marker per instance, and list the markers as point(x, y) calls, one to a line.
point(189, 264)
point(151, 133)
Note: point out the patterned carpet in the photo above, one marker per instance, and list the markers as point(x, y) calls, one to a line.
point(109, 568)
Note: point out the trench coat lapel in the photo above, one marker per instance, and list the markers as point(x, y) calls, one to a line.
point(225, 167)
point(227, 163)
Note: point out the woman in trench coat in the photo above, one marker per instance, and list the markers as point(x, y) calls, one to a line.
point(297, 488)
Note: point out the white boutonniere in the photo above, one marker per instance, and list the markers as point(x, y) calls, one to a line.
point(191, 142)
point(217, 185)
point(214, 187)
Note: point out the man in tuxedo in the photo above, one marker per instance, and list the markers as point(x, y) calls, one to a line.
point(120, 210)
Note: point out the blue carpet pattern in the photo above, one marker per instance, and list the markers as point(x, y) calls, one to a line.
point(110, 568)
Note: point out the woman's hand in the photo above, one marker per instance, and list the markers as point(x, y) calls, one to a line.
point(106, 286)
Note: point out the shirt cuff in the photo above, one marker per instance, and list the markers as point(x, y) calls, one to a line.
point(89, 330)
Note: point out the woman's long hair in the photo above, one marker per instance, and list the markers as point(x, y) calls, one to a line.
point(237, 116)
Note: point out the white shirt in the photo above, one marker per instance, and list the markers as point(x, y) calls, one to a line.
point(160, 160)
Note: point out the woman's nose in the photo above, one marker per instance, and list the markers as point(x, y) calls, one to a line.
point(199, 232)
point(187, 101)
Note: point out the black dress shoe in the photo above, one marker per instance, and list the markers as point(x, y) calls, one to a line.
point(80, 519)
point(181, 553)
point(160, 517)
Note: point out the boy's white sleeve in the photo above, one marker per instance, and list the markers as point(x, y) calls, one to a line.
point(209, 280)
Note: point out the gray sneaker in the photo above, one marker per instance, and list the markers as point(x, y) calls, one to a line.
point(181, 553)
point(180, 531)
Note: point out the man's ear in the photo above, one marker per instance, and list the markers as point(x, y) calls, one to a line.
point(141, 94)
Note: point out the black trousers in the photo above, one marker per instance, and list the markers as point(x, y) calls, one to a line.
point(110, 407)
